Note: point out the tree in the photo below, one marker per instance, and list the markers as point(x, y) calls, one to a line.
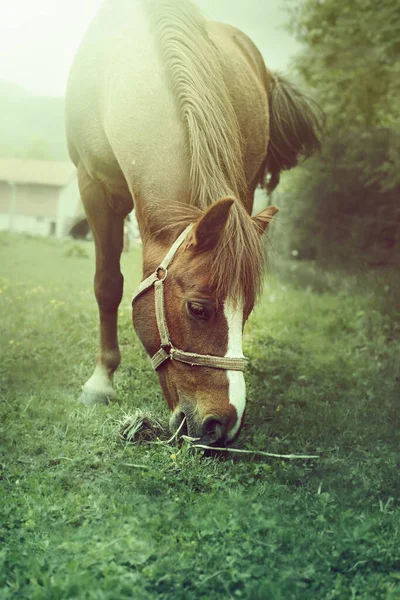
point(348, 198)
point(352, 57)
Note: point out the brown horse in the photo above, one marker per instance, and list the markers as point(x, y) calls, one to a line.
point(180, 117)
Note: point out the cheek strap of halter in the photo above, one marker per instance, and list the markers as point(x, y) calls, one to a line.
point(167, 349)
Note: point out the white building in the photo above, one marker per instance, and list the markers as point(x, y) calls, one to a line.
point(38, 197)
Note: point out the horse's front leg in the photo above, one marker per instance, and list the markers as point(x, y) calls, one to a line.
point(108, 230)
point(108, 290)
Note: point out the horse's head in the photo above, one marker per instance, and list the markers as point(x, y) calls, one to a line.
point(210, 278)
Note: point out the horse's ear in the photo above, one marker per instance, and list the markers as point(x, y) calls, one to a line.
point(211, 225)
point(265, 217)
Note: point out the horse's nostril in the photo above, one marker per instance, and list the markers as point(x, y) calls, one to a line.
point(209, 431)
point(212, 429)
point(210, 424)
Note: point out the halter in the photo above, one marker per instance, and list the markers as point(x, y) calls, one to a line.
point(167, 349)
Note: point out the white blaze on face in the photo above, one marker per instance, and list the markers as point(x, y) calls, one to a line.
point(237, 387)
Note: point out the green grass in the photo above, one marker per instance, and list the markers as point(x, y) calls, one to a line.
point(87, 516)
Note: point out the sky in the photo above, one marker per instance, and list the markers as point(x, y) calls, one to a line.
point(38, 38)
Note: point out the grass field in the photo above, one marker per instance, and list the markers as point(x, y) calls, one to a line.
point(85, 515)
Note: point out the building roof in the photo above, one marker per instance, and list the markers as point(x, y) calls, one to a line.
point(44, 172)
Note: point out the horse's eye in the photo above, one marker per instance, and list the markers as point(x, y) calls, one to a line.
point(198, 310)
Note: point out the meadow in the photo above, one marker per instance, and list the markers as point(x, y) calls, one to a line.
point(87, 515)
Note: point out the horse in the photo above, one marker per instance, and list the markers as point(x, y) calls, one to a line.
point(179, 117)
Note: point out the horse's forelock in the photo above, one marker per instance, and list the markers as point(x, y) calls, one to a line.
point(236, 263)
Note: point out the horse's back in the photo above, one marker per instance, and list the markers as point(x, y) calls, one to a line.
point(123, 121)
point(121, 114)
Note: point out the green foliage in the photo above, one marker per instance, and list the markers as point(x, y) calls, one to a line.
point(351, 58)
point(85, 515)
point(344, 204)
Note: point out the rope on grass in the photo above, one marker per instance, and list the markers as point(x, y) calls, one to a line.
point(192, 442)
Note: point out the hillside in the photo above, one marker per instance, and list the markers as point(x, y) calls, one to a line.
point(31, 126)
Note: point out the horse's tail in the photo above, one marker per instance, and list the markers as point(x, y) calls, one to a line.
point(296, 124)
point(195, 73)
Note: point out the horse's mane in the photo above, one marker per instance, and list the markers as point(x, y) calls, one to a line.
point(193, 65)
point(194, 69)
point(236, 264)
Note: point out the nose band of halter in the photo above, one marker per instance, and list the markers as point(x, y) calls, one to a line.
point(167, 349)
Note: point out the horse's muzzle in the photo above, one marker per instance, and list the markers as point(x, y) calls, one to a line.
point(209, 430)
